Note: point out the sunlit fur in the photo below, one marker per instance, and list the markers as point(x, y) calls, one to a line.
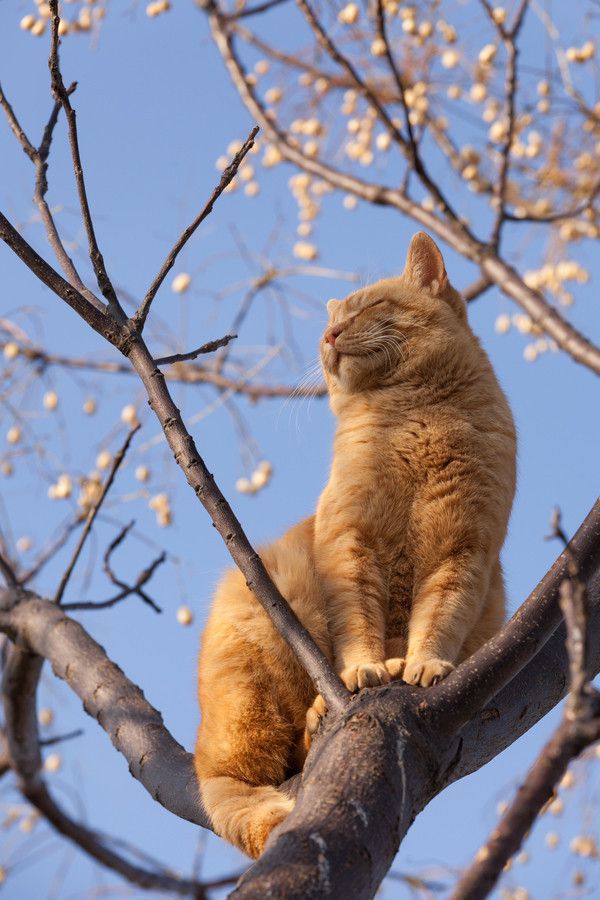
point(398, 573)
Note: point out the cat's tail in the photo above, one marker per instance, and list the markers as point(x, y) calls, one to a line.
point(242, 813)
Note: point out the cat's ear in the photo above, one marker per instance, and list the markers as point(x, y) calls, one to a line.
point(332, 305)
point(425, 269)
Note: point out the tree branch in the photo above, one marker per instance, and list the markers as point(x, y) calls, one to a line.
point(61, 95)
point(454, 233)
point(209, 347)
point(91, 516)
point(39, 158)
point(227, 177)
point(580, 726)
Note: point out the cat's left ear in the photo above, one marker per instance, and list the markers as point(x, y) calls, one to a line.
point(425, 269)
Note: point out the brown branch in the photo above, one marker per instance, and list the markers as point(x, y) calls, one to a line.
point(8, 572)
point(39, 158)
point(20, 681)
point(50, 277)
point(227, 177)
point(511, 87)
point(254, 10)
point(61, 95)
point(477, 681)
point(209, 347)
point(455, 234)
point(357, 82)
point(282, 616)
point(135, 728)
point(476, 289)
point(51, 550)
point(184, 374)
point(93, 512)
point(126, 589)
point(579, 728)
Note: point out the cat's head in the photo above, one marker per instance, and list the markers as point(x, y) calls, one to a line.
point(382, 331)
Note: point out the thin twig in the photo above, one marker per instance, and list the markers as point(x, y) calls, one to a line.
point(39, 158)
point(255, 10)
point(61, 95)
point(126, 590)
point(91, 516)
point(227, 177)
point(51, 550)
point(60, 738)
point(209, 347)
point(476, 289)
point(8, 572)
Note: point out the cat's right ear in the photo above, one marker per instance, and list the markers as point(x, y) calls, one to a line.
point(425, 268)
point(332, 305)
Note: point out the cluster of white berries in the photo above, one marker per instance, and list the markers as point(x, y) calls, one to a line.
point(157, 8)
point(581, 54)
point(62, 489)
point(161, 506)
point(90, 489)
point(553, 277)
point(36, 24)
point(258, 480)
point(129, 416)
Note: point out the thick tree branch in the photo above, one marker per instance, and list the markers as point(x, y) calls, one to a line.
point(20, 680)
point(580, 726)
point(135, 728)
point(50, 277)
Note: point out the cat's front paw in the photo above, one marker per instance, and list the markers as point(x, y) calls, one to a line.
point(395, 667)
point(365, 675)
point(314, 716)
point(426, 672)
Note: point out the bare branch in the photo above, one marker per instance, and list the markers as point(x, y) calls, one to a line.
point(455, 234)
point(579, 728)
point(476, 289)
point(136, 729)
point(255, 10)
point(209, 347)
point(227, 177)
point(8, 572)
point(126, 589)
point(61, 95)
point(93, 512)
point(20, 681)
point(184, 374)
point(50, 277)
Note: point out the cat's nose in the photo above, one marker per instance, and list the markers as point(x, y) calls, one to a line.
point(331, 334)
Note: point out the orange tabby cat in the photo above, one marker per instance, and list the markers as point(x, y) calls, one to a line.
point(398, 573)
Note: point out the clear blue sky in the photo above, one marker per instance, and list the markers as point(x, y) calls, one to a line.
point(155, 110)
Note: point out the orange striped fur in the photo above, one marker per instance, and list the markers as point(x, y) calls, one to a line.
point(398, 572)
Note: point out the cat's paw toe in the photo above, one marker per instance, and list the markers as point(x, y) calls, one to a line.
point(314, 716)
point(426, 671)
point(395, 667)
point(365, 675)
